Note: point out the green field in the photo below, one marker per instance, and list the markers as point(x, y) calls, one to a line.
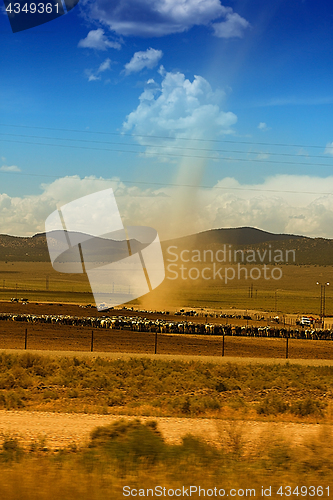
point(295, 293)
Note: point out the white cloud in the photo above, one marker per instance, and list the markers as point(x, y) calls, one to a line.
point(329, 149)
point(92, 77)
point(149, 18)
point(271, 205)
point(177, 109)
point(104, 66)
point(143, 59)
point(11, 168)
point(97, 40)
point(233, 26)
point(263, 126)
point(26, 216)
point(282, 204)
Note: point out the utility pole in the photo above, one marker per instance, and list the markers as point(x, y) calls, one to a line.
point(322, 301)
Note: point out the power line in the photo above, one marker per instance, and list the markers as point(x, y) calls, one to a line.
point(163, 146)
point(205, 157)
point(164, 184)
point(164, 137)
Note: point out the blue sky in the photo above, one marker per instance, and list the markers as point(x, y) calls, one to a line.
point(233, 99)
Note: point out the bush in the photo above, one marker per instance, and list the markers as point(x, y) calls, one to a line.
point(194, 450)
point(11, 450)
point(279, 456)
point(130, 441)
point(308, 406)
point(272, 405)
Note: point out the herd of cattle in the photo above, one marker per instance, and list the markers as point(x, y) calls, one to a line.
point(140, 324)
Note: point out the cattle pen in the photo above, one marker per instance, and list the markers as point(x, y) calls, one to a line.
point(157, 333)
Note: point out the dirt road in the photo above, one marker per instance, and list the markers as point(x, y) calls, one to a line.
point(63, 429)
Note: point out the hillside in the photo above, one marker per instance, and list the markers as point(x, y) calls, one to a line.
point(239, 236)
point(308, 251)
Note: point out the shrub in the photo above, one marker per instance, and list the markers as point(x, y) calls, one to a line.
point(11, 449)
point(307, 406)
point(194, 450)
point(221, 386)
point(272, 405)
point(130, 441)
point(116, 398)
point(279, 456)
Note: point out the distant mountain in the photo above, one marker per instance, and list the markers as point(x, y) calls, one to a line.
point(308, 251)
point(16, 248)
point(232, 236)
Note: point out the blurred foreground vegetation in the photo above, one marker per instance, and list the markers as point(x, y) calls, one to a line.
point(135, 455)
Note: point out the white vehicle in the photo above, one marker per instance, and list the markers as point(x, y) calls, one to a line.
point(305, 321)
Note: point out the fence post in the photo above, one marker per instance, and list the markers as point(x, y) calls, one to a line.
point(223, 345)
point(287, 346)
point(155, 341)
point(92, 341)
point(26, 338)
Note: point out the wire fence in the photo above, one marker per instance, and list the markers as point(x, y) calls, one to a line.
point(76, 339)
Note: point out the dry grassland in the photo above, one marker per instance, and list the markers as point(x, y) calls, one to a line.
point(296, 292)
point(136, 454)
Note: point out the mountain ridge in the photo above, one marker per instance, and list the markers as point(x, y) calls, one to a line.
point(309, 251)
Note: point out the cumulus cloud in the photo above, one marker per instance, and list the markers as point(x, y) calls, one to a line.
point(282, 204)
point(97, 40)
point(96, 75)
point(11, 168)
point(233, 26)
point(26, 216)
point(150, 18)
point(179, 108)
point(143, 59)
point(271, 205)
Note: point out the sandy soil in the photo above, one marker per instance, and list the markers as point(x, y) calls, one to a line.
point(64, 429)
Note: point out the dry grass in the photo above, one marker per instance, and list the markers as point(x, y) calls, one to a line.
point(296, 290)
point(135, 455)
point(165, 387)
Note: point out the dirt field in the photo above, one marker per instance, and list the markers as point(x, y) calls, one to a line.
point(72, 338)
point(63, 429)
point(295, 293)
